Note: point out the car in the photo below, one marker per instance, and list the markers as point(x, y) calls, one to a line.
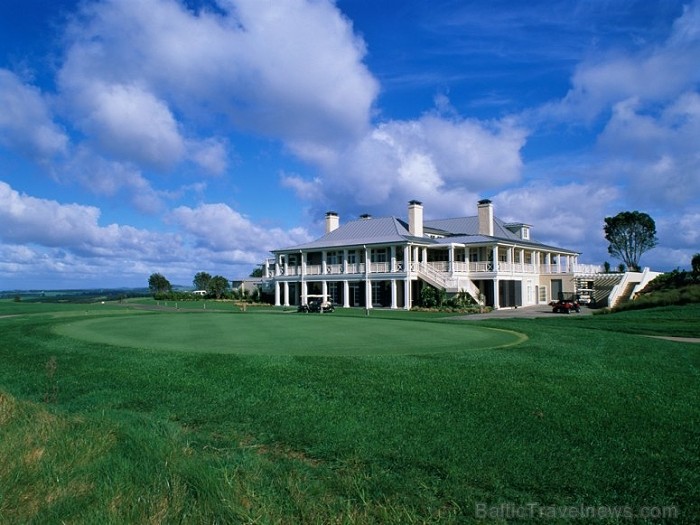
point(565, 306)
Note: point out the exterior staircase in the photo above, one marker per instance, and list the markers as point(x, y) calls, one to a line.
point(451, 285)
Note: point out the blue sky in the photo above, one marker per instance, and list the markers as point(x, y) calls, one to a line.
point(172, 136)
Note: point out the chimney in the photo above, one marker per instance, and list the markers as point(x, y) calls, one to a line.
point(415, 218)
point(485, 217)
point(332, 221)
point(365, 216)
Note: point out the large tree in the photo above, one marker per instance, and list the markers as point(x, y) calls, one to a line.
point(158, 284)
point(201, 281)
point(218, 286)
point(630, 234)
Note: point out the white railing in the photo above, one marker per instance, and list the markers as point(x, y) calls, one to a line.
point(588, 269)
point(482, 266)
point(379, 267)
point(439, 266)
point(314, 269)
point(334, 268)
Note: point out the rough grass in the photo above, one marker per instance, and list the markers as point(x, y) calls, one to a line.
point(579, 414)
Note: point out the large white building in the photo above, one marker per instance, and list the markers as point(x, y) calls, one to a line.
point(384, 262)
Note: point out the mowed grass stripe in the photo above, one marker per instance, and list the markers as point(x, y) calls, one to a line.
point(270, 334)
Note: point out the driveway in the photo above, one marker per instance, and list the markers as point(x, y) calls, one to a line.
point(524, 312)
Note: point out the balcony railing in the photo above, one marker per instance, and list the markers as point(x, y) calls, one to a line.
point(443, 267)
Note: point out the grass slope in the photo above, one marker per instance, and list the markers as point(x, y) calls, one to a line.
point(578, 414)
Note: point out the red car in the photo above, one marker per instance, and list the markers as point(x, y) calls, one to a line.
point(565, 306)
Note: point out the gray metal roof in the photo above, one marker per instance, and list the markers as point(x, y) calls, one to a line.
point(382, 230)
point(390, 230)
point(470, 226)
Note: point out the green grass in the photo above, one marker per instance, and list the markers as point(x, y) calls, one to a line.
point(271, 334)
point(580, 413)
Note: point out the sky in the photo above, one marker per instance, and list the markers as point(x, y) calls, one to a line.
point(179, 136)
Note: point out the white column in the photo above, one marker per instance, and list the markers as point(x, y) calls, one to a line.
point(266, 269)
point(406, 259)
point(324, 289)
point(407, 293)
point(496, 302)
point(393, 293)
point(414, 257)
point(368, 293)
point(285, 289)
point(304, 293)
point(303, 263)
point(522, 259)
point(495, 258)
point(277, 294)
point(424, 256)
point(393, 259)
point(324, 254)
point(451, 259)
point(548, 262)
point(346, 294)
point(286, 264)
point(345, 261)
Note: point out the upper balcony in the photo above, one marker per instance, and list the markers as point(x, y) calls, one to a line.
point(459, 268)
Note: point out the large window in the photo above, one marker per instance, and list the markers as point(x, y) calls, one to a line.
point(378, 255)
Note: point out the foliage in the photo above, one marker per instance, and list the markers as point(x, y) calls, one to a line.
point(695, 263)
point(428, 296)
point(175, 437)
point(201, 281)
point(630, 234)
point(218, 286)
point(258, 272)
point(158, 284)
point(606, 267)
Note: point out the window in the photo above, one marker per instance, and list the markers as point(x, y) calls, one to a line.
point(378, 255)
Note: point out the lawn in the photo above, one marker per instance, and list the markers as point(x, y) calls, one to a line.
point(579, 414)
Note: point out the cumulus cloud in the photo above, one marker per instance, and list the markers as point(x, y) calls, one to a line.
point(444, 162)
point(219, 228)
point(655, 74)
point(26, 122)
point(243, 62)
point(73, 227)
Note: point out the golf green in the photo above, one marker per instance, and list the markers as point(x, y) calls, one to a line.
point(292, 334)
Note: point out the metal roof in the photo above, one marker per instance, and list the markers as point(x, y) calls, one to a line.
point(391, 230)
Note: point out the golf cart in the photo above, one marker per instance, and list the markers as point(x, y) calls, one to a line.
point(316, 304)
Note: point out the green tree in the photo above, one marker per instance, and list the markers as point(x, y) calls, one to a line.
point(201, 281)
point(219, 286)
point(630, 234)
point(158, 284)
point(695, 263)
point(258, 272)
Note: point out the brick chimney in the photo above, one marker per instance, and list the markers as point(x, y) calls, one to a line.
point(332, 221)
point(415, 218)
point(485, 209)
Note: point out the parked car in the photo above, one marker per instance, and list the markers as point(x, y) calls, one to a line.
point(565, 306)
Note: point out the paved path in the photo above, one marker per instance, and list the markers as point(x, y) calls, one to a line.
point(525, 312)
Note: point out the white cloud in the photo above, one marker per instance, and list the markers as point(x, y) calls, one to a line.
point(291, 70)
point(219, 228)
point(26, 123)
point(656, 74)
point(74, 227)
point(131, 124)
point(443, 162)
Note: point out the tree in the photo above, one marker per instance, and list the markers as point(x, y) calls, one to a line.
point(201, 281)
point(630, 234)
point(695, 263)
point(158, 284)
point(258, 272)
point(218, 286)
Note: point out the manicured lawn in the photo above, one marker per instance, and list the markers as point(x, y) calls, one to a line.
point(261, 333)
point(580, 413)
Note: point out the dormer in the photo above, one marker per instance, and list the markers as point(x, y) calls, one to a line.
point(520, 229)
